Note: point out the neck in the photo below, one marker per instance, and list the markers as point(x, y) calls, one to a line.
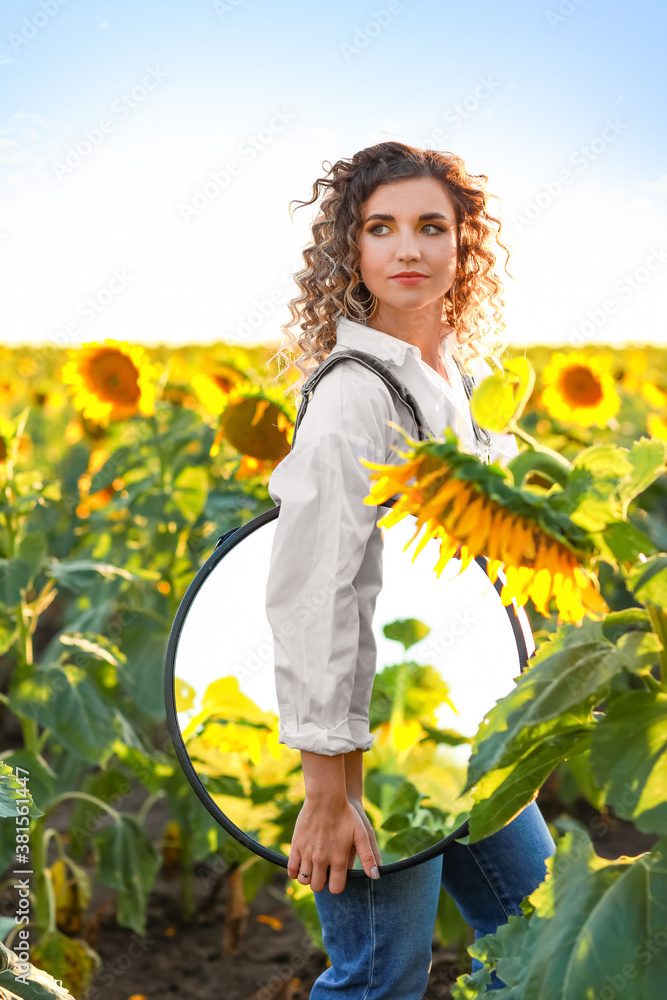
point(423, 328)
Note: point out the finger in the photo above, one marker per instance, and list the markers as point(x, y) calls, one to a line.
point(294, 863)
point(374, 846)
point(303, 878)
point(365, 852)
point(318, 878)
point(305, 870)
point(337, 877)
point(351, 857)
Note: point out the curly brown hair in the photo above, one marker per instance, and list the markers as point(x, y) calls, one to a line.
point(330, 284)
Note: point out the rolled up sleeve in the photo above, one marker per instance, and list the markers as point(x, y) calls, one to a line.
point(319, 547)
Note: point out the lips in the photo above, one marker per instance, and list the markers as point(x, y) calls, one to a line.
point(409, 278)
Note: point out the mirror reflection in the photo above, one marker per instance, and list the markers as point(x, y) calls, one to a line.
point(445, 653)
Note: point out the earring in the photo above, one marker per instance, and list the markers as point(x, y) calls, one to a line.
point(374, 307)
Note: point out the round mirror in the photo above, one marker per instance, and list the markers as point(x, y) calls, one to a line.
point(447, 650)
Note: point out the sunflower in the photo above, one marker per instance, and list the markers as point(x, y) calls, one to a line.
point(214, 388)
point(474, 511)
point(579, 389)
point(653, 394)
point(256, 423)
point(110, 381)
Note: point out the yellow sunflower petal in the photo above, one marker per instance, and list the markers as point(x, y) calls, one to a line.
point(579, 389)
point(110, 381)
point(448, 547)
point(540, 591)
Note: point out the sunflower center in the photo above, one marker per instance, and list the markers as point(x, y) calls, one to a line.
point(114, 377)
point(580, 386)
point(223, 383)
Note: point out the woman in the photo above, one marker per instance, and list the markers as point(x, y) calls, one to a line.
point(401, 266)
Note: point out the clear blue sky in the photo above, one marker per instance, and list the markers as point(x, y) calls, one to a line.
point(172, 92)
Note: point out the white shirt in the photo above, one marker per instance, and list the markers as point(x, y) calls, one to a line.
point(325, 568)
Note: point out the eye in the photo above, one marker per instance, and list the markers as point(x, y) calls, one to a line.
point(383, 225)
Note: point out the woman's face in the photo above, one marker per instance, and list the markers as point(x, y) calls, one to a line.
point(408, 225)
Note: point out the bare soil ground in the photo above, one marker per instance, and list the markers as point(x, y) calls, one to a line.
point(274, 961)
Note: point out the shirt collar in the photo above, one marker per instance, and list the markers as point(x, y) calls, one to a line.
point(350, 333)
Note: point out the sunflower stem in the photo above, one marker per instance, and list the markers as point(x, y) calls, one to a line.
point(659, 622)
point(652, 682)
point(514, 428)
point(530, 461)
point(81, 795)
point(147, 803)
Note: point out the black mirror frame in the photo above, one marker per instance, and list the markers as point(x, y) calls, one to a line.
point(224, 545)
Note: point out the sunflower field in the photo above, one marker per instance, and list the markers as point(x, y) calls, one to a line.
point(121, 465)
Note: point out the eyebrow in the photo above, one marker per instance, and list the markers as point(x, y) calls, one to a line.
point(385, 217)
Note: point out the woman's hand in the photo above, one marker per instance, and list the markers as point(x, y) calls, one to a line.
point(328, 831)
point(354, 789)
point(357, 804)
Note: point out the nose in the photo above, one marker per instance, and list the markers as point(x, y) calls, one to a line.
point(408, 248)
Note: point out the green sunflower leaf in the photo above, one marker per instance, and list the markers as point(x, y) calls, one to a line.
point(629, 758)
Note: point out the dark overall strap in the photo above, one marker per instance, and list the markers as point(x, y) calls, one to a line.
point(371, 362)
point(481, 433)
point(385, 373)
point(374, 364)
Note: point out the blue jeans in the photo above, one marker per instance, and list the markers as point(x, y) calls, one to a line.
point(378, 933)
